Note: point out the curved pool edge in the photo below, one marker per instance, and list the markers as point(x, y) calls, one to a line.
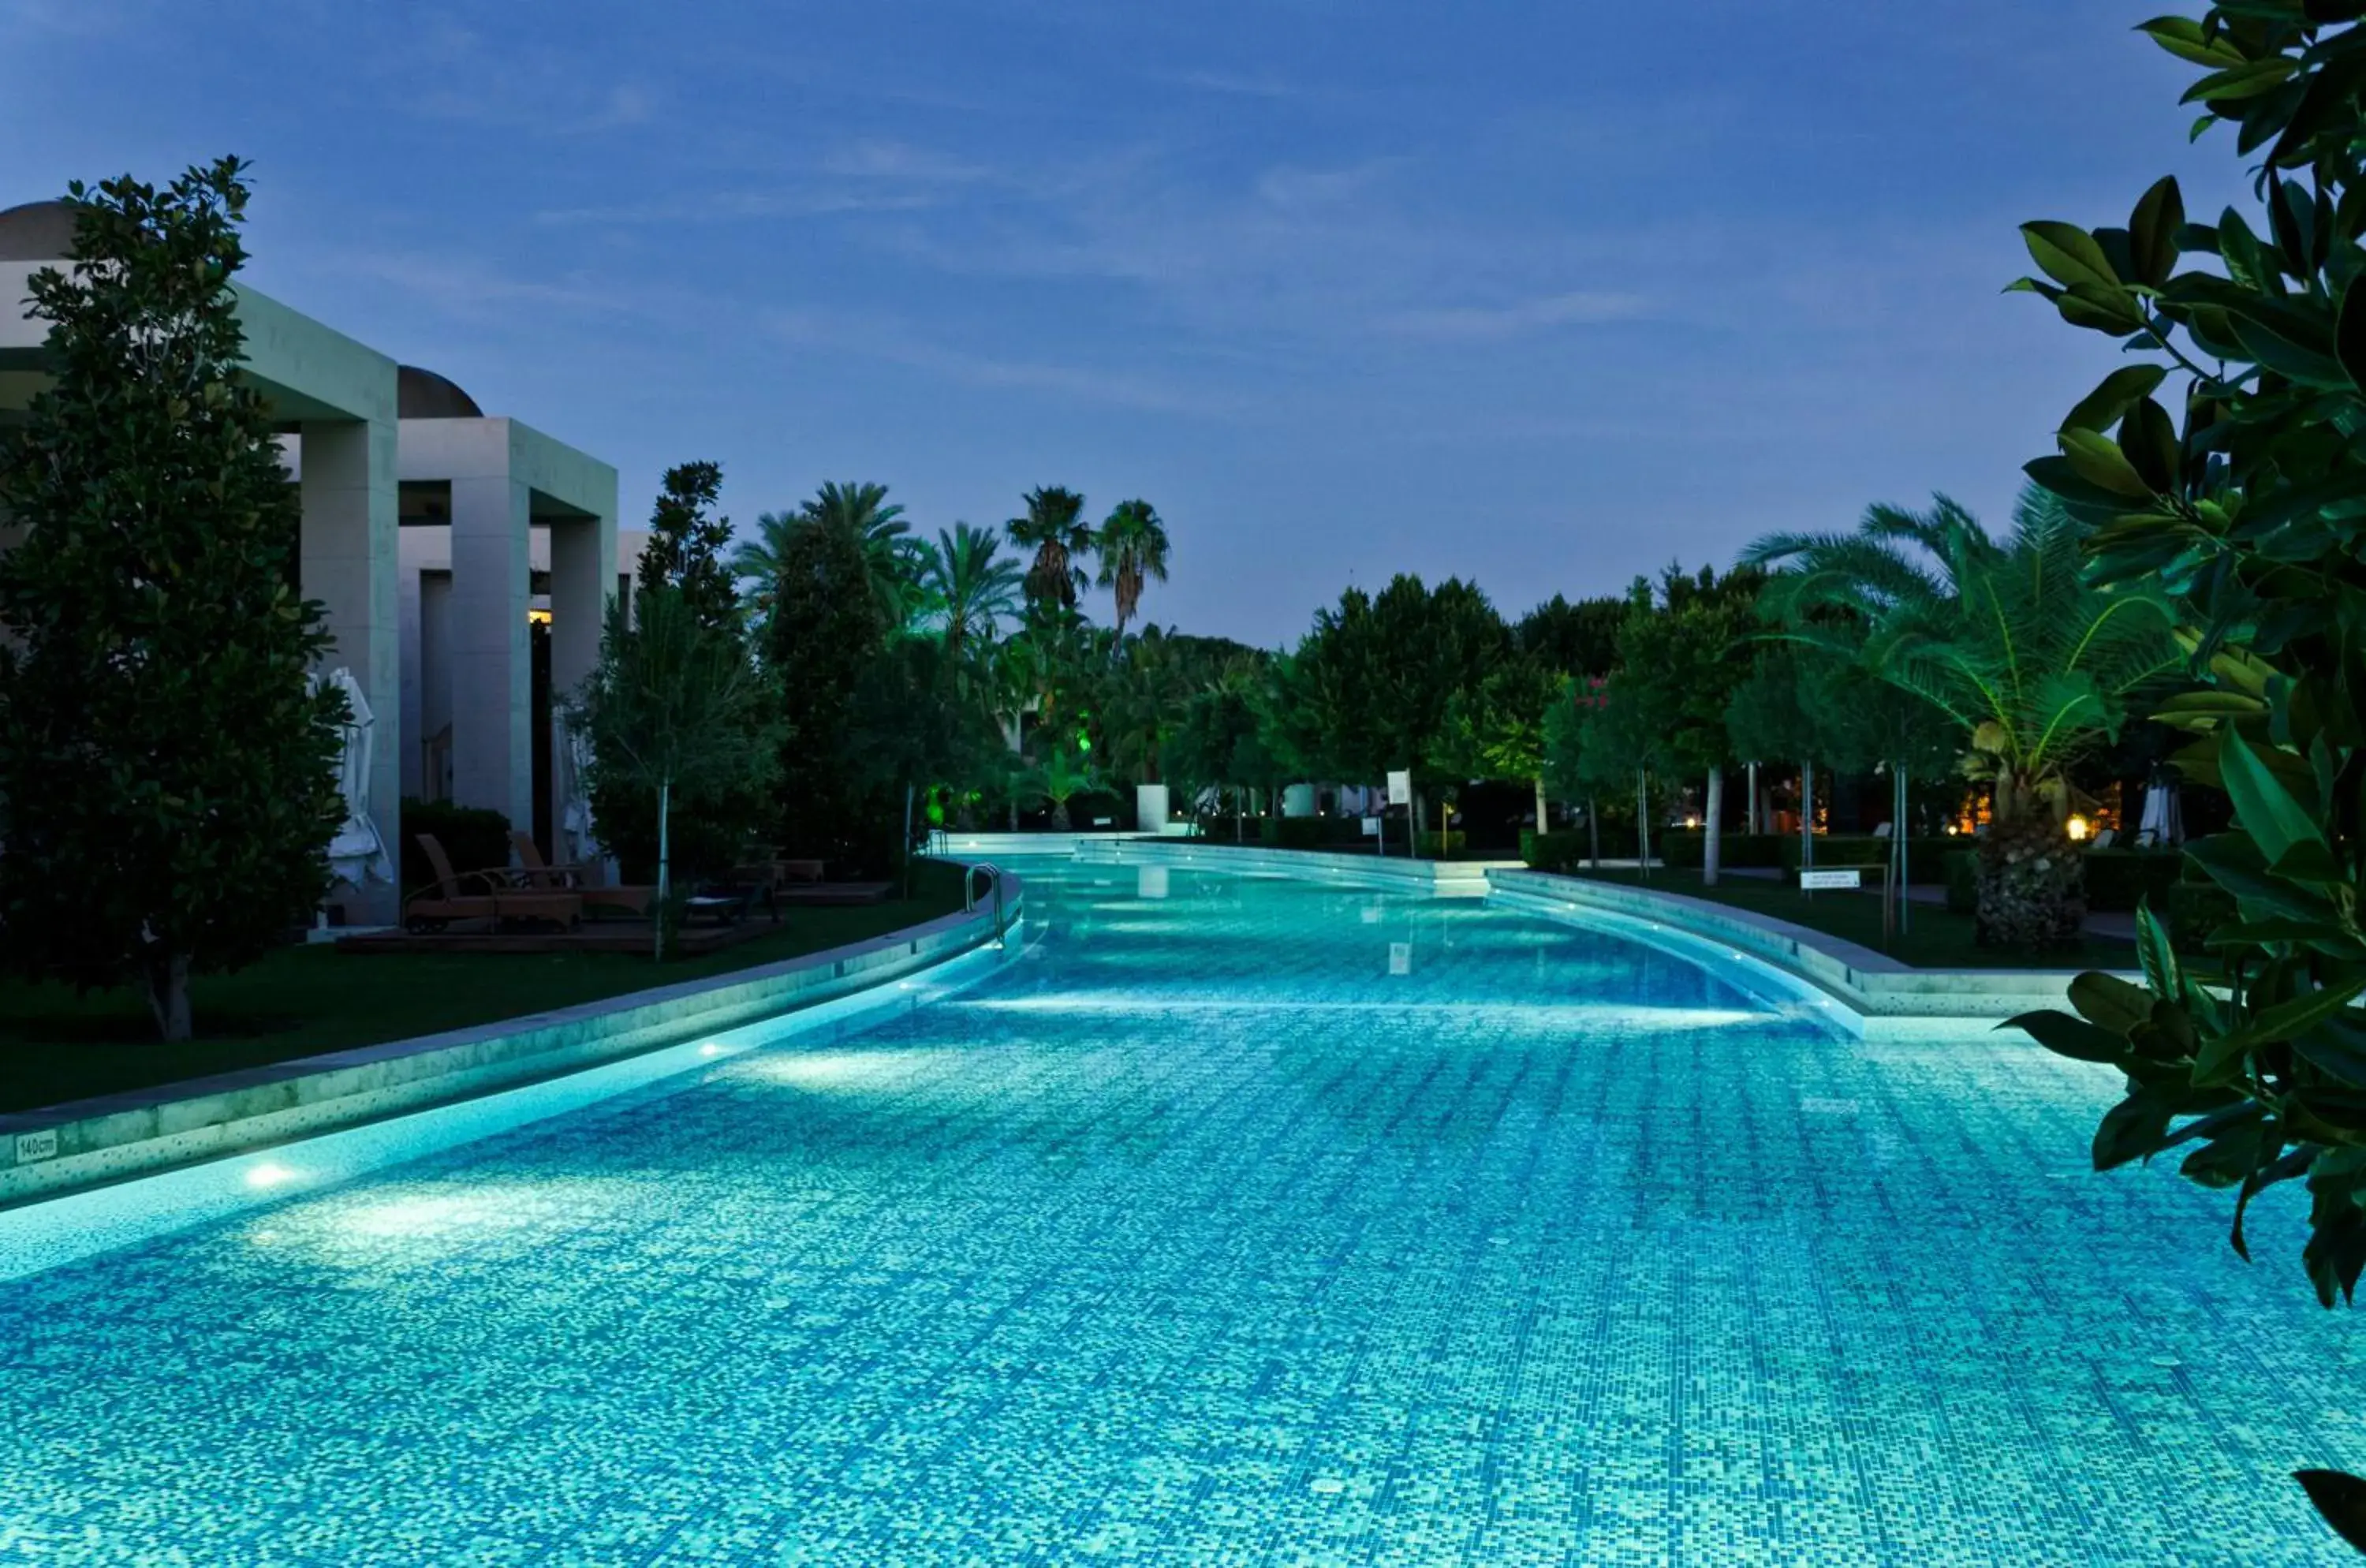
point(1868, 993)
point(59, 1150)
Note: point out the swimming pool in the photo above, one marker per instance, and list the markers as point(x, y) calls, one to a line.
point(1249, 1221)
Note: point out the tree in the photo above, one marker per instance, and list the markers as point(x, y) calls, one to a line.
point(891, 560)
point(1056, 777)
point(1573, 639)
point(1055, 533)
point(967, 586)
point(914, 729)
point(2248, 518)
point(685, 547)
point(1575, 769)
point(167, 764)
point(1379, 673)
point(1131, 547)
point(1498, 731)
point(2035, 665)
point(825, 631)
point(675, 710)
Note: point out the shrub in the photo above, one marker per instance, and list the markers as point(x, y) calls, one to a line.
point(1963, 874)
point(2120, 879)
point(1443, 846)
point(474, 839)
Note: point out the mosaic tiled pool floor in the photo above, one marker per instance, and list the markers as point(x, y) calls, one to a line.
point(1200, 1236)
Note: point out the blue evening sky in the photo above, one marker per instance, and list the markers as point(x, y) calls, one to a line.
point(1543, 295)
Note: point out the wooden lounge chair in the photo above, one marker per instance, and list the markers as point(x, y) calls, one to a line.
point(495, 895)
point(576, 879)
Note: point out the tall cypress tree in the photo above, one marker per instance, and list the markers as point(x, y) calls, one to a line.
point(165, 762)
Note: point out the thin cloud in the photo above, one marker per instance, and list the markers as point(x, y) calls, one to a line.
point(1490, 324)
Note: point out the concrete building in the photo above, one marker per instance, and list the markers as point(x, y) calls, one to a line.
point(424, 523)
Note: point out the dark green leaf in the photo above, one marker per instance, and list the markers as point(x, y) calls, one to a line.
point(2120, 391)
point(2184, 38)
point(2098, 459)
point(2264, 808)
point(2349, 335)
point(2152, 232)
point(2341, 1499)
point(2154, 953)
point(2072, 1037)
point(2110, 1003)
point(2150, 443)
point(2069, 254)
point(2133, 1129)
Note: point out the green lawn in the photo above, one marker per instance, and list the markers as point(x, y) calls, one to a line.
point(1938, 940)
point(300, 1001)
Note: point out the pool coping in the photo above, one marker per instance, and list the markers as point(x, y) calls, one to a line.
point(57, 1149)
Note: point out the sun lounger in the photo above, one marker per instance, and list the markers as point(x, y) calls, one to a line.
point(494, 895)
point(576, 879)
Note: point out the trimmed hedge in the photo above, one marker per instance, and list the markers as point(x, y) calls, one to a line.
point(1683, 847)
point(1310, 832)
point(1567, 849)
point(1443, 846)
point(474, 839)
point(1926, 858)
point(2119, 879)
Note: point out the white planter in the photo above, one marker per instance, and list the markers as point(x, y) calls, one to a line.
point(1150, 807)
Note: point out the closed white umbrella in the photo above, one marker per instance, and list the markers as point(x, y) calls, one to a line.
point(2162, 823)
point(357, 855)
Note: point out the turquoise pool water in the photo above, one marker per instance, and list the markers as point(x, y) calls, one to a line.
point(1260, 1222)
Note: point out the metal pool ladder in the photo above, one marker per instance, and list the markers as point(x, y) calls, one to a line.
point(969, 894)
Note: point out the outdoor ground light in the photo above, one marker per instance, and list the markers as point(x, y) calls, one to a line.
point(2078, 828)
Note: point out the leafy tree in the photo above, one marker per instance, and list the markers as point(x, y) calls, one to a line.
point(915, 729)
point(825, 632)
point(685, 547)
point(1145, 692)
point(152, 617)
point(1131, 547)
point(677, 710)
point(2247, 517)
point(1573, 639)
point(966, 585)
point(2035, 665)
point(1498, 731)
point(1379, 673)
point(893, 563)
point(1577, 766)
point(1054, 531)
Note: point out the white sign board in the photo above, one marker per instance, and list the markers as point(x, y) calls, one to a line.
point(1400, 958)
point(1400, 787)
point(1372, 827)
point(1810, 880)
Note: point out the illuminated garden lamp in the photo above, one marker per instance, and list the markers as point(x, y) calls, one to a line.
point(2078, 829)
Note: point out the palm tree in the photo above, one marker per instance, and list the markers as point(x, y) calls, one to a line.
point(756, 561)
point(2008, 638)
point(888, 555)
point(1131, 547)
point(963, 582)
point(1054, 531)
point(1055, 778)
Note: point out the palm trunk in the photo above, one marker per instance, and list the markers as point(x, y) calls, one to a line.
point(168, 995)
point(1709, 855)
point(1592, 833)
point(1898, 832)
point(665, 869)
point(1544, 824)
point(1642, 826)
point(908, 840)
point(1420, 821)
point(1753, 814)
point(1806, 816)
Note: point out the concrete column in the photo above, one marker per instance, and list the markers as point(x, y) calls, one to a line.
point(492, 673)
point(349, 558)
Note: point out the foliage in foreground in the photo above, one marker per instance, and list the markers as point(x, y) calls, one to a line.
point(153, 599)
point(2247, 512)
